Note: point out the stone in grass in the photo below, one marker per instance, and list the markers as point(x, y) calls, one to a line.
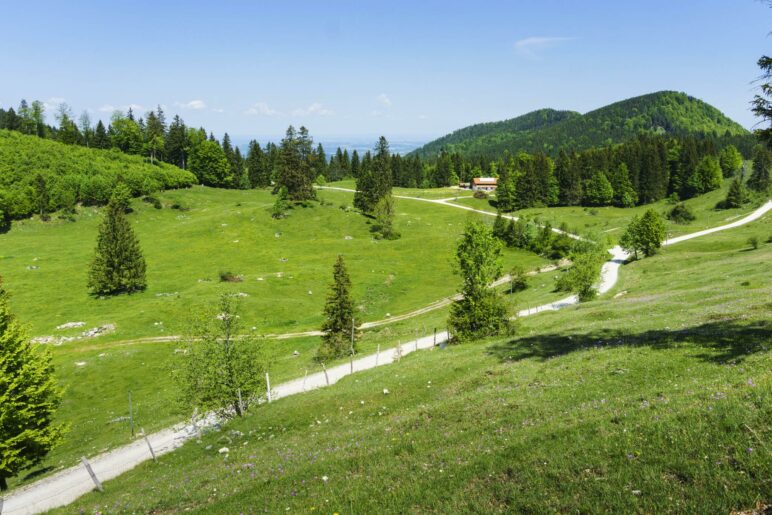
point(385, 391)
point(224, 450)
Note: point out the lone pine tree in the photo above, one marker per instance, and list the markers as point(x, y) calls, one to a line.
point(29, 397)
point(338, 316)
point(118, 265)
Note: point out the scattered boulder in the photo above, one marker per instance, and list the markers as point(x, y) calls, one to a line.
point(70, 325)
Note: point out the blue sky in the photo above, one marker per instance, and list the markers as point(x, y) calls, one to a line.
point(359, 69)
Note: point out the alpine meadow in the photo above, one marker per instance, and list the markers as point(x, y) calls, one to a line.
point(544, 286)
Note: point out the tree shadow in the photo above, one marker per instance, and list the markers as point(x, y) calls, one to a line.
point(721, 341)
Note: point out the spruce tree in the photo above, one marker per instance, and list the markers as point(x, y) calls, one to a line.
point(762, 162)
point(257, 166)
point(374, 181)
point(293, 167)
point(118, 265)
point(29, 397)
point(338, 316)
point(481, 310)
point(737, 195)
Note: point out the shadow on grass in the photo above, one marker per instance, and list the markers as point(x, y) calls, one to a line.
point(722, 341)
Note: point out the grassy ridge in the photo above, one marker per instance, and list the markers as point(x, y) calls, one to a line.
point(549, 131)
point(655, 398)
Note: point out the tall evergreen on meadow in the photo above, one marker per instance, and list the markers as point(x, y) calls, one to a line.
point(29, 397)
point(294, 167)
point(257, 166)
point(374, 181)
point(118, 265)
point(338, 316)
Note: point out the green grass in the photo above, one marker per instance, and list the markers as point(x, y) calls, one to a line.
point(655, 398)
point(182, 247)
point(281, 262)
point(612, 221)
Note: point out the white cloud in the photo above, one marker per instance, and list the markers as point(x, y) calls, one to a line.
point(109, 108)
point(218, 110)
point(384, 100)
point(261, 109)
point(530, 47)
point(315, 109)
point(193, 104)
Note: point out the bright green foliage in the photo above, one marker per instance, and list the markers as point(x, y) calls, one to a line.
point(118, 265)
point(223, 370)
point(338, 316)
point(624, 192)
point(29, 397)
point(281, 205)
point(209, 164)
point(121, 196)
point(730, 160)
point(481, 311)
point(583, 275)
point(737, 194)
point(644, 234)
point(598, 190)
point(762, 163)
point(707, 176)
point(126, 134)
point(384, 218)
point(71, 174)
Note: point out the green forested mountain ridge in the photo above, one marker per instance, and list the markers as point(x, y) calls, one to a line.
point(40, 176)
point(549, 131)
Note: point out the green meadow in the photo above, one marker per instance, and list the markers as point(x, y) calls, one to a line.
point(654, 398)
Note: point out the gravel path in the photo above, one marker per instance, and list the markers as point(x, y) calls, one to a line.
point(67, 485)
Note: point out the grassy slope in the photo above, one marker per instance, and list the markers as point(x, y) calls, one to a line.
point(233, 230)
point(98, 373)
point(655, 401)
point(612, 221)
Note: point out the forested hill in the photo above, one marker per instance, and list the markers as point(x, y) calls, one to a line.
point(547, 130)
point(41, 176)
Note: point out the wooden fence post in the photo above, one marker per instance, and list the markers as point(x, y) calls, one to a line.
point(326, 377)
point(131, 415)
point(91, 473)
point(377, 354)
point(304, 380)
point(147, 441)
point(268, 386)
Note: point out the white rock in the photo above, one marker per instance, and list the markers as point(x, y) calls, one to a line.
point(70, 325)
point(385, 391)
point(80, 363)
point(224, 450)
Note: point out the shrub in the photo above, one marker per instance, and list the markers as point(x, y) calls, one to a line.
point(480, 194)
point(681, 214)
point(230, 277)
point(753, 241)
point(153, 201)
point(179, 206)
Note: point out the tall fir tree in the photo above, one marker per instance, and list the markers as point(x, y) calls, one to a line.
point(118, 266)
point(257, 166)
point(293, 166)
point(29, 397)
point(762, 163)
point(337, 340)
